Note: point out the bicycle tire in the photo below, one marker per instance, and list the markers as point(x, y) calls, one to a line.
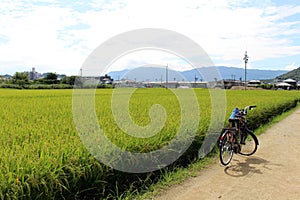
point(226, 147)
point(250, 146)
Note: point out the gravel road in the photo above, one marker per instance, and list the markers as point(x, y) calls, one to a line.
point(273, 172)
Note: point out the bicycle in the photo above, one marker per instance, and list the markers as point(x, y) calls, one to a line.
point(237, 138)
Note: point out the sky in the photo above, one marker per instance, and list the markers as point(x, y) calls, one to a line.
point(59, 35)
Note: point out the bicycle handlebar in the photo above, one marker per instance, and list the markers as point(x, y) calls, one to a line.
point(237, 113)
point(244, 111)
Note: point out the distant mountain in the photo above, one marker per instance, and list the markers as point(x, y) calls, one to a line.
point(204, 74)
point(147, 74)
point(252, 74)
point(117, 75)
point(294, 74)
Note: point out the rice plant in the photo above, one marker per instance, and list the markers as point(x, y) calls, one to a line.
point(43, 157)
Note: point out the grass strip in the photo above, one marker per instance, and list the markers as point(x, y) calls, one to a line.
point(179, 175)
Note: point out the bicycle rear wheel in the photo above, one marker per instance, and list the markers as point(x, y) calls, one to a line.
point(226, 147)
point(250, 145)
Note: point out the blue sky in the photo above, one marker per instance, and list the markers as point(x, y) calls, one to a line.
point(58, 35)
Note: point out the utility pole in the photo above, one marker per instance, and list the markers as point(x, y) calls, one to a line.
point(246, 58)
point(196, 78)
point(167, 77)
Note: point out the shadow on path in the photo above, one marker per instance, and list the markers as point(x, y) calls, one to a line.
point(251, 165)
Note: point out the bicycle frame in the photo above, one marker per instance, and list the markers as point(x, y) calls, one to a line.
point(233, 139)
point(240, 124)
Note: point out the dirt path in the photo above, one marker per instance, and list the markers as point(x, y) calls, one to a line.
point(273, 172)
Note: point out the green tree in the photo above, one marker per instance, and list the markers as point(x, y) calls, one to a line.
point(20, 78)
point(51, 78)
point(68, 80)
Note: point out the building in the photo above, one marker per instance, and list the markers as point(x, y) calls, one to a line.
point(193, 84)
point(106, 79)
point(228, 83)
point(292, 82)
point(34, 75)
point(283, 86)
point(254, 83)
point(287, 84)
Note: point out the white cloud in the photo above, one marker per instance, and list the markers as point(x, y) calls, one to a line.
point(148, 57)
point(33, 40)
point(42, 36)
point(290, 67)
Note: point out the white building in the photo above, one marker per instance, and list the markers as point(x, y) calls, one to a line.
point(34, 75)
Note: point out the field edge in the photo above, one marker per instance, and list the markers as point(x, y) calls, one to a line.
point(181, 175)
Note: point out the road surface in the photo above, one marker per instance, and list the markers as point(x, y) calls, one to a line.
point(273, 172)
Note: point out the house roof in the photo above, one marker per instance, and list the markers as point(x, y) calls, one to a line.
point(289, 80)
point(283, 84)
point(254, 82)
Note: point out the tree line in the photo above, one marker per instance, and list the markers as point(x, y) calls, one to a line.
point(20, 80)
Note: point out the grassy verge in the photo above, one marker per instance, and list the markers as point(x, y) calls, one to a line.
point(179, 175)
point(275, 120)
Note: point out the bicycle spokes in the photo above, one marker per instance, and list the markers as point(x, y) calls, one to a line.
point(250, 145)
point(226, 147)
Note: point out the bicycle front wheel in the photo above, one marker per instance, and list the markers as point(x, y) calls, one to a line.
point(226, 147)
point(250, 145)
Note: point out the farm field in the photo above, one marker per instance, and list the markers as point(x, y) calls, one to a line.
point(42, 155)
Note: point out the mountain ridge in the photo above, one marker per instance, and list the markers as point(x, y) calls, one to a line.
point(294, 74)
point(159, 74)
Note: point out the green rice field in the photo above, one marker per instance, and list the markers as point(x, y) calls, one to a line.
point(43, 157)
